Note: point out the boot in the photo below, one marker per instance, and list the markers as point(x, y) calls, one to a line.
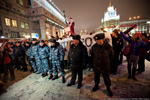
point(95, 88)
point(56, 77)
point(109, 91)
point(129, 72)
point(34, 71)
point(25, 69)
point(63, 79)
point(44, 74)
point(69, 84)
point(79, 86)
point(133, 74)
point(51, 76)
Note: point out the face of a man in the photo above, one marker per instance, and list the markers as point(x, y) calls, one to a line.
point(113, 34)
point(41, 43)
point(26, 44)
point(33, 42)
point(52, 44)
point(75, 42)
point(17, 44)
point(143, 37)
point(100, 42)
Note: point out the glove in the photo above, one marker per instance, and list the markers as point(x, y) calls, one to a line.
point(50, 62)
point(61, 63)
point(32, 59)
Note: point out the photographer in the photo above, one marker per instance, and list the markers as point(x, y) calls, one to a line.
point(5, 62)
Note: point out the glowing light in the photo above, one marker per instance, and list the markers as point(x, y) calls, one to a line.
point(134, 17)
point(148, 22)
point(2, 36)
point(130, 18)
point(117, 26)
point(81, 30)
point(47, 32)
point(138, 16)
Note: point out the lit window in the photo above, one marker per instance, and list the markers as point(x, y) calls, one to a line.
point(22, 25)
point(7, 21)
point(26, 25)
point(22, 11)
point(21, 2)
point(14, 23)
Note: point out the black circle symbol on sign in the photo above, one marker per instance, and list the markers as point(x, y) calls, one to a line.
point(90, 41)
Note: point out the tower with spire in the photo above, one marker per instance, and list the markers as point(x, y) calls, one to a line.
point(111, 18)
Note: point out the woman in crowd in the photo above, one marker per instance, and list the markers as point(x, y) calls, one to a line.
point(5, 62)
point(136, 43)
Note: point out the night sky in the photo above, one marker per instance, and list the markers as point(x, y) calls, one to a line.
point(87, 14)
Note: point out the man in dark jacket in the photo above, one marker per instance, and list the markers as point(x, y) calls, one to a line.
point(101, 53)
point(117, 43)
point(20, 54)
point(77, 60)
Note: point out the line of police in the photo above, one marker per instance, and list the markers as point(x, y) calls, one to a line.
point(43, 58)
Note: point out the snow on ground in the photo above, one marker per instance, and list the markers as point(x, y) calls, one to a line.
point(34, 87)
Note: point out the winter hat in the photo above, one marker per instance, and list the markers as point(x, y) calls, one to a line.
point(138, 35)
point(33, 39)
point(99, 36)
point(52, 40)
point(76, 37)
point(11, 43)
point(42, 41)
point(144, 34)
point(27, 42)
point(115, 31)
point(17, 42)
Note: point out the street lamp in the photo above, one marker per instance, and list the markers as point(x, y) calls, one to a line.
point(130, 18)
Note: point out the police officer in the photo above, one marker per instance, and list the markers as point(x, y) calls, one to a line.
point(44, 54)
point(77, 60)
point(33, 54)
point(56, 57)
point(101, 53)
point(27, 46)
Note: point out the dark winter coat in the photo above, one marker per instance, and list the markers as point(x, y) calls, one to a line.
point(143, 52)
point(77, 57)
point(19, 51)
point(135, 44)
point(117, 44)
point(101, 57)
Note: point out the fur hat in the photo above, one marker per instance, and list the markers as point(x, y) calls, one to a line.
point(42, 41)
point(76, 37)
point(33, 39)
point(52, 40)
point(99, 36)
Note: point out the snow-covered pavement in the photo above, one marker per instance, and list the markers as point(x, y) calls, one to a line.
point(34, 87)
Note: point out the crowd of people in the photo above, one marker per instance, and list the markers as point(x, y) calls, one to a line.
point(102, 58)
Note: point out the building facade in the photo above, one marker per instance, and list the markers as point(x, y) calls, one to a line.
point(29, 19)
point(111, 21)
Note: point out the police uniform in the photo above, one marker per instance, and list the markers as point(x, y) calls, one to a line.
point(33, 54)
point(101, 57)
point(44, 54)
point(56, 57)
